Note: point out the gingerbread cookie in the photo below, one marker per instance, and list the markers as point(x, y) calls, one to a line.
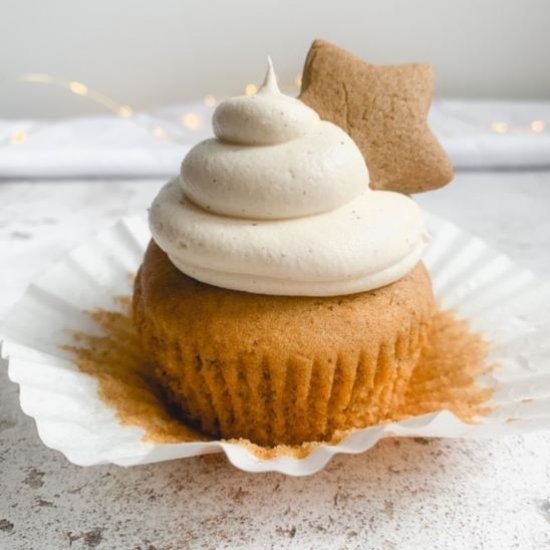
point(384, 109)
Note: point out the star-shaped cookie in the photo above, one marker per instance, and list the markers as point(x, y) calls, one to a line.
point(385, 110)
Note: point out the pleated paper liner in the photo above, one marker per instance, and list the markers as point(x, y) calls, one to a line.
point(500, 300)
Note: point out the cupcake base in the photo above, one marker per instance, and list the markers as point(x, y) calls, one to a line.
point(275, 369)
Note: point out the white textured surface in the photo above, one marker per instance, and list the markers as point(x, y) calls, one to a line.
point(402, 494)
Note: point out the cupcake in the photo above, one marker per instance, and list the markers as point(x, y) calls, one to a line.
point(281, 299)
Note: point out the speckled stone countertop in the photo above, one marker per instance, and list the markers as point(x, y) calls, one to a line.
point(404, 494)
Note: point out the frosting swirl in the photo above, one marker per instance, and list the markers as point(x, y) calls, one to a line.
point(279, 204)
point(274, 158)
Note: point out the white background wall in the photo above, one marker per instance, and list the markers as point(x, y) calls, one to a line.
point(156, 52)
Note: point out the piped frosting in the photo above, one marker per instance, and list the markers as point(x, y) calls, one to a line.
point(273, 159)
point(279, 203)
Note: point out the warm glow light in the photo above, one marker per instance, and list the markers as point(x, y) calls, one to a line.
point(36, 77)
point(160, 132)
point(537, 126)
point(500, 127)
point(17, 138)
point(251, 89)
point(78, 88)
point(209, 100)
point(191, 121)
point(298, 81)
point(125, 111)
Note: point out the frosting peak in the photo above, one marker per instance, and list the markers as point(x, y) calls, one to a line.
point(279, 203)
point(265, 118)
point(270, 80)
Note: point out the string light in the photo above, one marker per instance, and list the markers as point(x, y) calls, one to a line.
point(125, 111)
point(500, 127)
point(18, 138)
point(537, 126)
point(35, 77)
point(78, 88)
point(191, 121)
point(210, 100)
point(160, 133)
point(250, 89)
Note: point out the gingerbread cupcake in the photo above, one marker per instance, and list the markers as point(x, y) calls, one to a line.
point(282, 300)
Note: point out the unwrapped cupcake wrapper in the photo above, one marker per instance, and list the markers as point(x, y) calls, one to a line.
point(504, 302)
point(269, 400)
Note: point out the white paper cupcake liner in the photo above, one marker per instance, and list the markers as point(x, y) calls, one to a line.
point(501, 300)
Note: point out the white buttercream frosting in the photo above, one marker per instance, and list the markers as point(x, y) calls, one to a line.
point(279, 203)
point(273, 158)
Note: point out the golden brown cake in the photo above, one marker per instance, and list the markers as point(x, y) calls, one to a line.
point(276, 369)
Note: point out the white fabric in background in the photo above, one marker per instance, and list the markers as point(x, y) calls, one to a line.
point(465, 129)
point(154, 144)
